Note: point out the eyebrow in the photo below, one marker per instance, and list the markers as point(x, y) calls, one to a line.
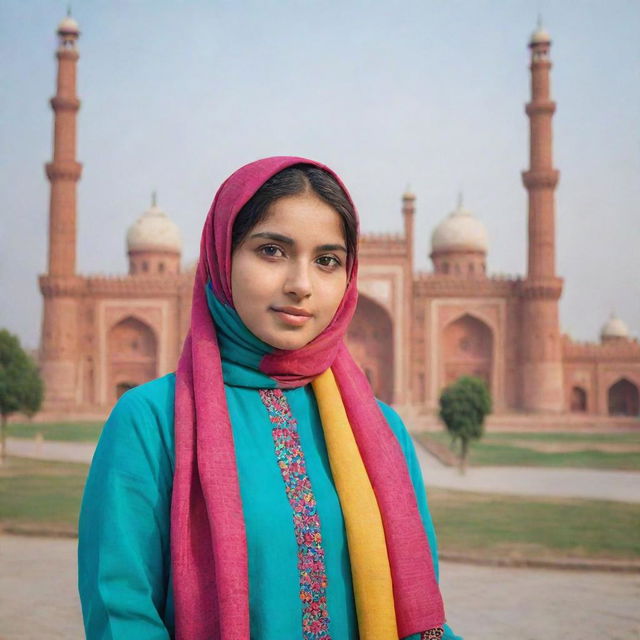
point(290, 242)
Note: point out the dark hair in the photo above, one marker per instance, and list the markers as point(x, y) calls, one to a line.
point(298, 178)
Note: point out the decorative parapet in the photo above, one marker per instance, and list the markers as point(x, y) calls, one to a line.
point(622, 350)
point(383, 243)
point(505, 276)
point(496, 277)
point(382, 237)
point(144, 286)
point(441, 285)
point(61, 286)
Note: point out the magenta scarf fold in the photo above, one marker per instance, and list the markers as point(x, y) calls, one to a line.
point(208, 537)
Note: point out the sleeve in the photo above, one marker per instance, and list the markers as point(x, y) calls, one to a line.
point(123, 538)
point(401, 433)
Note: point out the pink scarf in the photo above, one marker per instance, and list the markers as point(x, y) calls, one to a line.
point(208, 538)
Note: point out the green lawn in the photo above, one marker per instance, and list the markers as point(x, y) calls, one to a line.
point(582, 450)
point(535, 527)
point(550, 436)
point(69, 431)
point(36, 495)
point(45, 496)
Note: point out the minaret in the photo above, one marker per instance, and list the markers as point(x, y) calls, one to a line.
point(58, 355)
point(408, 215)
point(542, 380)
point(64, 171)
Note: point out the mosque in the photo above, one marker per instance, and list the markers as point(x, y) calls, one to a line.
point(413, 332)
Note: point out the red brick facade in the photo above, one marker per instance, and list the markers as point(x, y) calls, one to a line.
point(413, 333)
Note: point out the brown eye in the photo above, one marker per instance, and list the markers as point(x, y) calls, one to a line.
point(271, 251)
point(330, 262)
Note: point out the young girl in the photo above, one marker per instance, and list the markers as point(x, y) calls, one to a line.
point(262, 492)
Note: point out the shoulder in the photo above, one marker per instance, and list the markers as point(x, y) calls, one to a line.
point(141, 423)
point(156, 396)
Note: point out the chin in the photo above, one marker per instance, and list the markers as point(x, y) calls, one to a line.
point(287, 340)
point(287, 344)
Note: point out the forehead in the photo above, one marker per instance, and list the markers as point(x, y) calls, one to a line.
point(303, 215)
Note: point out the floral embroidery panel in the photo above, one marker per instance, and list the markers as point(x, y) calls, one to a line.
point(306, 522)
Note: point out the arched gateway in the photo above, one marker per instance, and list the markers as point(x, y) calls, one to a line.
point(467, 347)
point(132, 355)
point(623, 399)
point(578, 400)
point(370, 341)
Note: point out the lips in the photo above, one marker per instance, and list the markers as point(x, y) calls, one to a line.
point(293, 316)
point(293, 311)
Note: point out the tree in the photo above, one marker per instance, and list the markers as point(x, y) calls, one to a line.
point(463, 407)
point(21, 387)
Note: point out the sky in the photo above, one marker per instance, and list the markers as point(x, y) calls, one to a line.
point(422, 93)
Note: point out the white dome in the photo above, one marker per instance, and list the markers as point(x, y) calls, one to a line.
point(614, 328)
point(68, 25)
point(154, 231)
point(408, 194)
point(540, 36)
point(460, 230)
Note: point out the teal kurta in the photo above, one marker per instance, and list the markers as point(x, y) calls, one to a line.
point(124, 552)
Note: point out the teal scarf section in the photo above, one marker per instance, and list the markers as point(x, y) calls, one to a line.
point(241, 351)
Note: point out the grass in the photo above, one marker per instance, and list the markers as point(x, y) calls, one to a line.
point(551, 436)
point(67, 431)
point(45, 496)
point(535, 527)
point(37, 495)
point(581, 450)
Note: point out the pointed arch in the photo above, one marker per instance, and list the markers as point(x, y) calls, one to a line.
point(132, 355)
point(578, 399)
point(370, 341)
point(467, 349)
point(623, 398)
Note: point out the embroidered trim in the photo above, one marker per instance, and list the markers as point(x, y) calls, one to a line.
point(306, 522)
point(432, 634)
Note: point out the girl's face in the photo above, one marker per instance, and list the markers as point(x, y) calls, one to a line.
point(289, 273)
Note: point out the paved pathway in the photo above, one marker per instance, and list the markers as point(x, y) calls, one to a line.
point(623, 486)
point(51, 450)
point(38, 598)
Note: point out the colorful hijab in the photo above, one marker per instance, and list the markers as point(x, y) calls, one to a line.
point(395, 588)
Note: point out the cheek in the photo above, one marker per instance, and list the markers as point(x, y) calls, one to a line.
point(245, 301)
point(242, 284)
point(334, 295)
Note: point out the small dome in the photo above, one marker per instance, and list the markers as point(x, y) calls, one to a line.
point(68, 26)
point(460, 231)
point(614, 328)
point(540, 36)
point(154, 231)
point(408, 194)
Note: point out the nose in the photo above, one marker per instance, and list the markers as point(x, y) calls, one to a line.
point(298, 280)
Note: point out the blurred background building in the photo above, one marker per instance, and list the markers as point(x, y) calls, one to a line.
point(413, 332)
